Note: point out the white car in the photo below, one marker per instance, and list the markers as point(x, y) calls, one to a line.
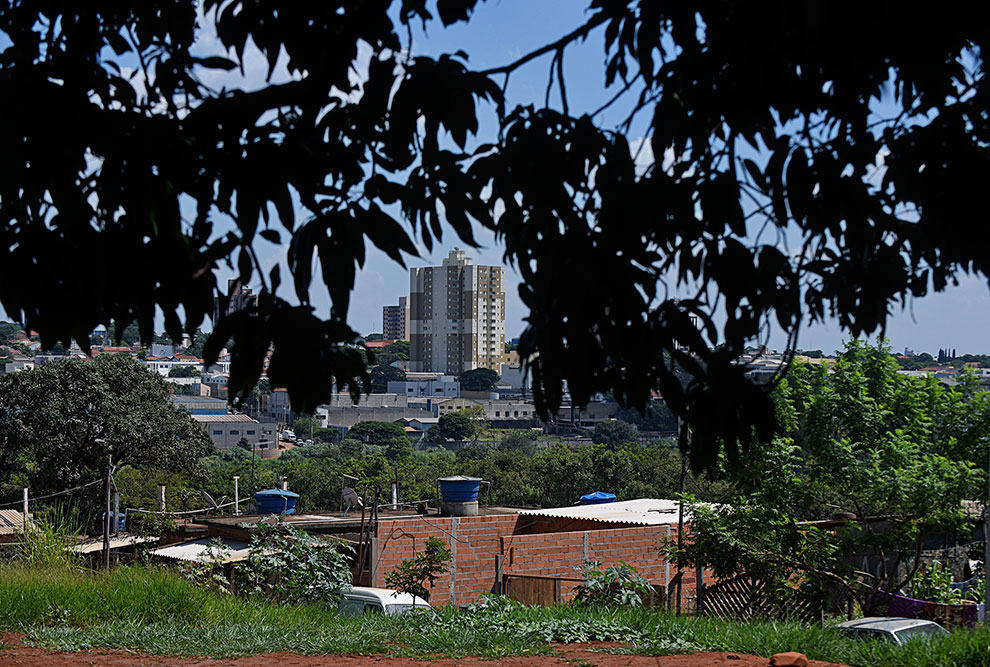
point(891, 628)
point(364, 600)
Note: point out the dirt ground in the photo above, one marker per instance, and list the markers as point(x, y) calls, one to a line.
point(577, 655)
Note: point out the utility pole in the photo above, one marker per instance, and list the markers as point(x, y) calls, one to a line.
point(106, 516)
point(253, 490)
point(106, 505)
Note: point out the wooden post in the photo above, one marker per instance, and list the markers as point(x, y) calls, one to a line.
point(116, 512)
point(237, 496)
point(499, 574)
point(25, 506)
point(699, 596)
point(161, 497)
point(680, 530)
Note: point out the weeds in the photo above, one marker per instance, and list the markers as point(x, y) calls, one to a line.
point(45, 539)
point(156, 611)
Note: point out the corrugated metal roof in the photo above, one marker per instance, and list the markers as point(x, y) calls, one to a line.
point(641, 512)
point(11, 522)
point(198, 550)
point(119, 542)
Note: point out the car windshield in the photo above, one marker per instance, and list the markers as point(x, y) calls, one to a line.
point(392, 609)
point(926, 631)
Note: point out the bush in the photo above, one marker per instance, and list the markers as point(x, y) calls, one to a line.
point(286, 564)
point(621, 584)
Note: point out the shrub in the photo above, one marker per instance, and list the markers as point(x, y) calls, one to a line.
point(620, 584)
point(286, 564)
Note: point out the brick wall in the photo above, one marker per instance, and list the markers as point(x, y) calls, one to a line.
point(474, 541)
point(543, 546)
point(561, 554)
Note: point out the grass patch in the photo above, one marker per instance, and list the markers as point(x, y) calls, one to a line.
point(150, 610)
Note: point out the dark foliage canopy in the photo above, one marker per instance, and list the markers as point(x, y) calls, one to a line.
point(479, 379)
point(856, 143)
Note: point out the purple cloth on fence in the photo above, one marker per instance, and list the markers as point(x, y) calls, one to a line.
point(947, 614)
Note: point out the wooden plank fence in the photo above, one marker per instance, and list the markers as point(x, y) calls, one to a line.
point(741, 598)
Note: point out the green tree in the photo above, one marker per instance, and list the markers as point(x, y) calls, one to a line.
point(656, 417)
point(376, 433)
point(479, 379)
point(452, 426)
point(382, 375)
point(129, 335)
point(859, 438)
point(399, 449)
point(9, 330)
point(198, 340)
point(64, 419)
point(521, 442)
point(305, 427)
point(397, 351)
point(613, 433)
point(414, 574)
point(189, 371)
point(351, 448)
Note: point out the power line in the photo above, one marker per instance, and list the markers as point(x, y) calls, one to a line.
point(52, 495)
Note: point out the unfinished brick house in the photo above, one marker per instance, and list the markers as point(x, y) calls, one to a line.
point(534, 556)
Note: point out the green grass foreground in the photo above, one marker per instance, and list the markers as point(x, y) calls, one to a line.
point(150, 610)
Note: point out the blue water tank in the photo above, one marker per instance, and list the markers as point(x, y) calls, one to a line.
point(276, 501)
point(459, 488)
point(597, 498)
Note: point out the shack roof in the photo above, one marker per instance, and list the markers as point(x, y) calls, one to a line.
point(200, 550)
point(94, 544)
point(640, 512)
point(11, 522)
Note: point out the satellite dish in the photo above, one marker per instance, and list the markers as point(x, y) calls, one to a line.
point(209, 501)
point(351, 498)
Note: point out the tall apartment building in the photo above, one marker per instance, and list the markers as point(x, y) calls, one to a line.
point(456, 316)
point(395, 320)
point(239, 297)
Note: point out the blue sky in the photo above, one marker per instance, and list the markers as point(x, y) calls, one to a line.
point(500, 32)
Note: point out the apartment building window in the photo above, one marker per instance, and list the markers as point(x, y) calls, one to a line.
point(250, 432)
point(235, 432)
point(218, 433)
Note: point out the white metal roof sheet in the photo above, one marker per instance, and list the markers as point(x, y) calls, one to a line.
point(640, 512)
point(96, 544)
point(198, 550)
point(11, 522)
